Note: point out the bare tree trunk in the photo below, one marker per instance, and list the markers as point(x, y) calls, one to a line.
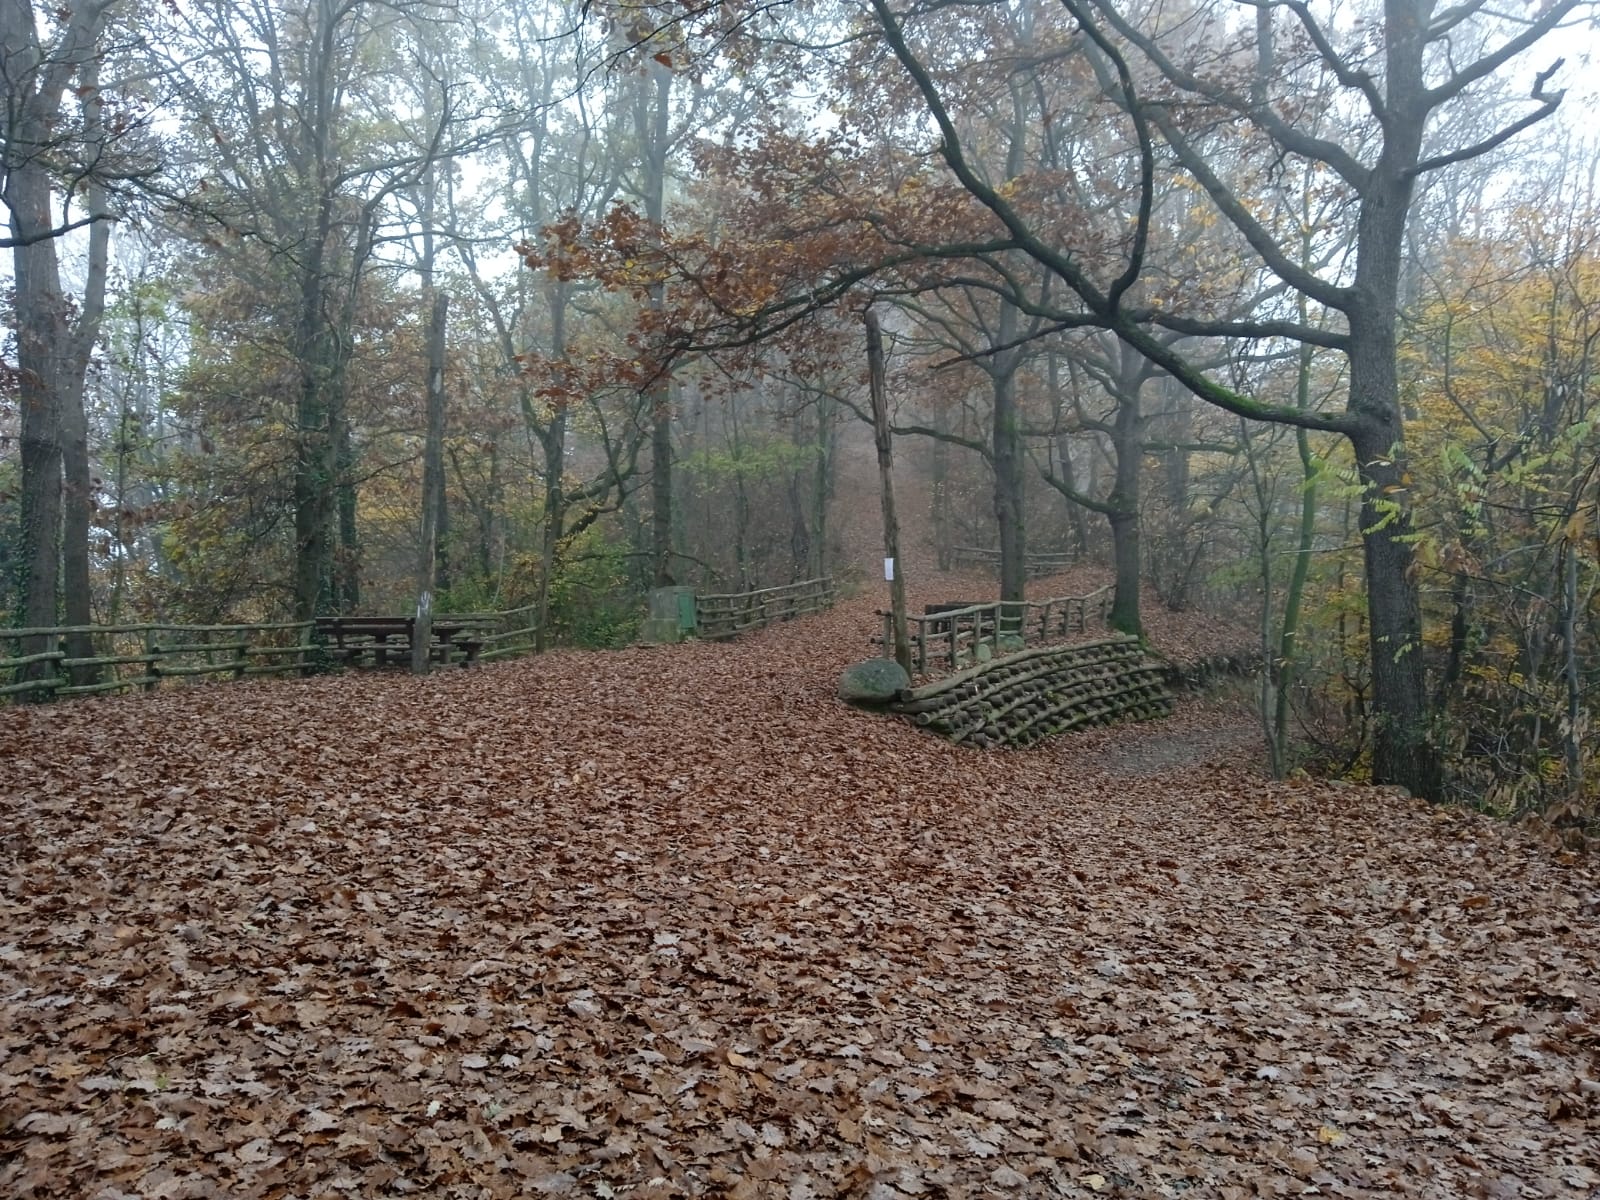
point(1124, 501)
point(741, 501)
point(443, 576)
point(315, 447)
point(823, 487)
point(41, 323)
point(1573, 722)
point(1009, 495)
point(1076, 514)
point(653, 122)
point(554, 441)
point(348, 560)
point(891, 523)
point(52, 350)
point(432, 475)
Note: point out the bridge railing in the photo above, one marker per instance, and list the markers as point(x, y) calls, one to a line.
point(732, 613)
point(1037, 563)
point(949, 636)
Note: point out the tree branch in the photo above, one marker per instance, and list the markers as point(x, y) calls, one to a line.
point(1548, 103)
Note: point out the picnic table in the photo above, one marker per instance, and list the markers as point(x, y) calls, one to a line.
point(353, 639)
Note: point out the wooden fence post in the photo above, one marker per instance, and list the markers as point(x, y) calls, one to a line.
point(152, 648)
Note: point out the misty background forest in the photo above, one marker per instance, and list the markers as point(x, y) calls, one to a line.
point(1286, 311)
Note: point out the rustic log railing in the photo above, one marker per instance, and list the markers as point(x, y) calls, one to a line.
point(35, 663)
point(142, 655)
point(948, 636)
point(1023, 697)
point(1037, 563)
point(514, 631)
point(730, 614)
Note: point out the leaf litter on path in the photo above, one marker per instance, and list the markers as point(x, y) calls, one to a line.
point(674, 922)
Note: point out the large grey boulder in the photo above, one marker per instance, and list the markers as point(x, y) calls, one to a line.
point(875, 681)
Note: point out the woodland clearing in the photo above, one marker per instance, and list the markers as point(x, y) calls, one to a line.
point(674, 922)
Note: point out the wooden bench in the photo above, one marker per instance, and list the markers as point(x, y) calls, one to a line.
point(387, 640)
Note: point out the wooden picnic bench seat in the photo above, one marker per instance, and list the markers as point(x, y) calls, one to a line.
point(387, 640)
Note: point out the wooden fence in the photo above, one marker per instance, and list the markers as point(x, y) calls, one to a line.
point(141, 656)
point(1023, 697)
point(728, 615)
point(947, 637)
point(1038, 563)
point(504, 634)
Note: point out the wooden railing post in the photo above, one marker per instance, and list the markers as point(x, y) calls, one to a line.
point(152, 669)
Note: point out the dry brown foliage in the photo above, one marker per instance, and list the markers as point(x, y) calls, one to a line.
point(674, 922)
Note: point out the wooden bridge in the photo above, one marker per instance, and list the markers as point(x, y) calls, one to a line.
point(1023, 697)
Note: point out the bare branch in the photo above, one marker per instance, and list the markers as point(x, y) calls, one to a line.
point(1548, 103)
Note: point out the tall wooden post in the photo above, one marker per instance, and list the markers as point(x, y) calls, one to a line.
point(891, 524)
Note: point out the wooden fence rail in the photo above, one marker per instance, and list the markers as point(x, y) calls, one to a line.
point(507, 633)
point(1037, 563)
point(730, 614)
point(142, 655)
point(949, 636)
point(35, 663)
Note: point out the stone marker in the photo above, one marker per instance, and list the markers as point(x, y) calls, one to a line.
point(671, 616)
point(876, 681)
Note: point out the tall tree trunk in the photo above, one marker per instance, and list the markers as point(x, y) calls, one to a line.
point(41, 324)
point(1124, 500)
point(653, 121)
point(554, 441)
point(315, 449)
point(799, 517)
point(78, 500)
point(491, 519)
point(891, 523)
point(348, 560)
point(939, 493)
point(52, 351)
point(432, 475)
point(1077, 515)
point(1008, 463)
point(1287, 668)
point(443, 575)
point(741, 501)
point(822, 490)
point(1403, 751)
point(1571, 670)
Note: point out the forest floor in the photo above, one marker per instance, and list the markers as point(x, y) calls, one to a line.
point(674, 922)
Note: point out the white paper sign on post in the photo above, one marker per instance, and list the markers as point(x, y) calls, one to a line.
point(888, 569)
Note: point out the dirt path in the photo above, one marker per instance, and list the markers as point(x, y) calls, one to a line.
point(673, 922)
